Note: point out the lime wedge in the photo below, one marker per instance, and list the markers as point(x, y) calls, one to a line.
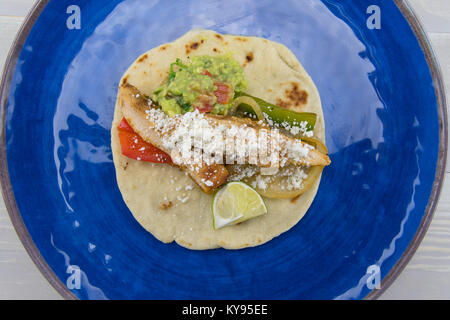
point(236, 202)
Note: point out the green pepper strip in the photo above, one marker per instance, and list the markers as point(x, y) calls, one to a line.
point(278, 114)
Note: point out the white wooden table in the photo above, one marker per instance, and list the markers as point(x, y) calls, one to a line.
point(427, 276)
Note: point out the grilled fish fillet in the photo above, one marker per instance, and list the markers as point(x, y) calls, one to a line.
point(135, 108)
point(134, 105)
point(285, 143)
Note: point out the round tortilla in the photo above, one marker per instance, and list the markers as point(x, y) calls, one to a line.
point(163, 199)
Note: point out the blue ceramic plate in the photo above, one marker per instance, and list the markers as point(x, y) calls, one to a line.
point(386, 131)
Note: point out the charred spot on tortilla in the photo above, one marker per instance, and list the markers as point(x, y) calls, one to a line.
point(248, 58)
point(142, 58)
point(295, 97)
point(125, 80)
point(193, 46)
point(218, 36)
point(280, 102)
point(240, 39)
point(184, 243)
point(165, 205)
point(125, 166)
point(164, 47)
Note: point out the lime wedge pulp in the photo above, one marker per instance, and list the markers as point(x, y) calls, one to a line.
point(236, 202)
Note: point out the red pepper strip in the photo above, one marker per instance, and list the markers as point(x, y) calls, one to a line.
point(134, 147)
point(125, 126)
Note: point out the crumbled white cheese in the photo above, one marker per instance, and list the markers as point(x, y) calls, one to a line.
point(295, 181)
point(182, 200)
point(241, 172)
point(195, 139)
point(209, 183)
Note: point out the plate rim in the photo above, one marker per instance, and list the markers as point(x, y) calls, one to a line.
point(5, 182)
point(34, 253)
point(438, 83)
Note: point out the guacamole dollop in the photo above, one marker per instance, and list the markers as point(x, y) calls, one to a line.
point(205, 83)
